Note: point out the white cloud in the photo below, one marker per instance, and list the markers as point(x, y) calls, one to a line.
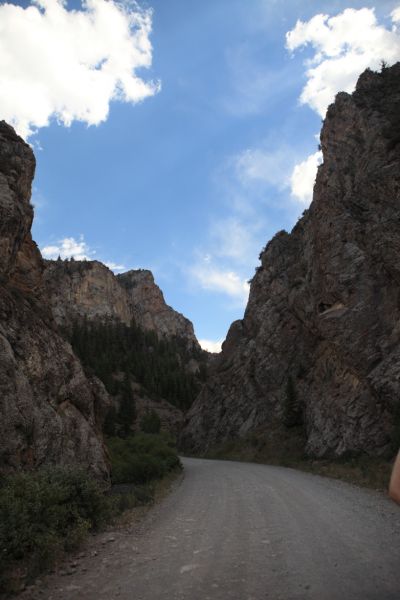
point(234, 239)
point(278, 169)
point(218, 280)
point(210, 345)
point(344, 46)
point(68, 248)
point(263, 166)
point(115, 267)
point(396, 15)
point(303, 178)
point(70, 64)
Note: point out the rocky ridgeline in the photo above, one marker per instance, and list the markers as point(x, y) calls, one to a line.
point(79, 289)
point(50, 410)
point(323, 317)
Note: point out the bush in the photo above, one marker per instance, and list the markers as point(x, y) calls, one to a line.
point(141, 458)
point(150, 422)
point(45, 513)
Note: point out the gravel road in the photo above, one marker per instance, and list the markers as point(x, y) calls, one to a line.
point(240, 531)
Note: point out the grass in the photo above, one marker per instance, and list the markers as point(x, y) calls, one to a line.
point(287, 450)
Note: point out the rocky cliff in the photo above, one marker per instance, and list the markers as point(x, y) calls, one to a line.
point(89, 289)
point(320, 337)
point(50, 411)
point(150, 310)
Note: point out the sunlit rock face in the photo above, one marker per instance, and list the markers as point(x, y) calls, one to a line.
point(150, 310)
point(324, 306)
point(84, 289)
point(88, 289)
point(50, 411)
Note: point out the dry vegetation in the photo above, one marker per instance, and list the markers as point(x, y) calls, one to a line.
point(275, 449)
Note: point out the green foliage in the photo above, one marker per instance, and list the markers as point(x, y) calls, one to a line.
point(141, 458)
point(110, 422)
point(47, 512)
point(150, 422)
point(110, 347)
point(292, 409)
point(127, 408)
point(139, 495)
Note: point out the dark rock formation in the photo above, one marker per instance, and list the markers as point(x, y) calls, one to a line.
point(50, 411)
point(324, 306)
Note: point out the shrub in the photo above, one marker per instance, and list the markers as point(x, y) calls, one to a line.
point(141, 458)
point(45, 513)
point(150, 422)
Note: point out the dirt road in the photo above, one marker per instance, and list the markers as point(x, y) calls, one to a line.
point(239, 531)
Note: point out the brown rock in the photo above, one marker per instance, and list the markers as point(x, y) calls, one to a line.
point(49, 409)
point(324, 305)
point(150, 310)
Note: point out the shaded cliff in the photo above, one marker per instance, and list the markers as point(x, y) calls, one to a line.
point(319, 345)
point(50, 411)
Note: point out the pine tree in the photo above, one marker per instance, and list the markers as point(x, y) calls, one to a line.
point(127, 407)
point(292, 410)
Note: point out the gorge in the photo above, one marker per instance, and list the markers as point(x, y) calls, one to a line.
point(317, 351)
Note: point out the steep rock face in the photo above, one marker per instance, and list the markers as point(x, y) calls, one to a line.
point(150, 310)
point(80, 289)
point(324, 306)
point(49, 410)
point(89, 289)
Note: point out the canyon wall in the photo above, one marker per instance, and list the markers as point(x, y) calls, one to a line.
point(50, 410)
point(321, 332)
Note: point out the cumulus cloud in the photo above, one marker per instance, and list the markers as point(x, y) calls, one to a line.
point(70, 64)
point(219, 280)
point(68, 247)
point(303, 178)
point(344, 46)
point(396, 16)
point(210, 345)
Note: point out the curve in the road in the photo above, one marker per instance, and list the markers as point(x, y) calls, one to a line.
point(243, 531)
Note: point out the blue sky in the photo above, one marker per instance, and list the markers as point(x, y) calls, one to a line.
point(193, 168)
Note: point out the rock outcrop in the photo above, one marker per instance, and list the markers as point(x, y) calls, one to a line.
point(323, 315)
point(79, 289)
point(50, 411)
point(89, 289)
point(150, 310)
